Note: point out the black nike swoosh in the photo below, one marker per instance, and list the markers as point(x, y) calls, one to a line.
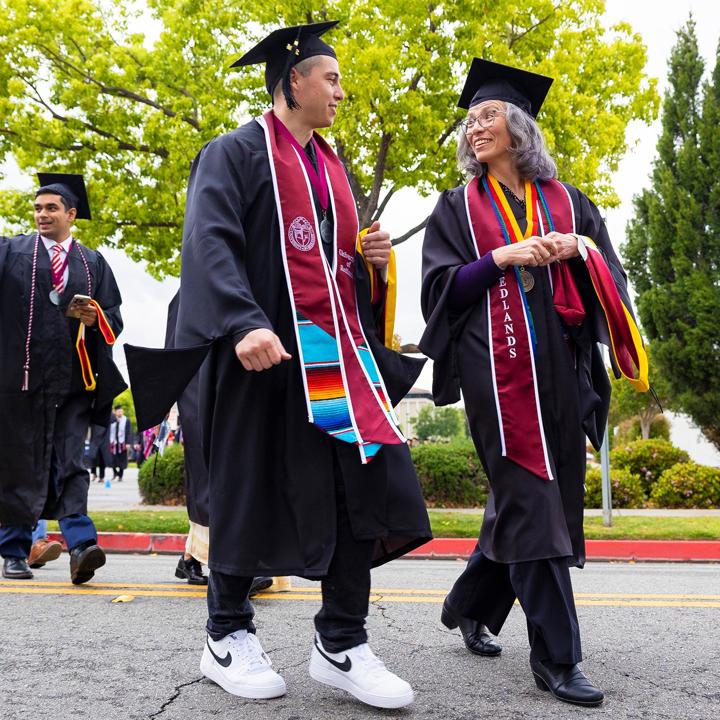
point(225, 662)
point(344, 666)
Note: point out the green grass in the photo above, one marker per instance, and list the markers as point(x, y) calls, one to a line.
point(147, 521)
point(444, 524)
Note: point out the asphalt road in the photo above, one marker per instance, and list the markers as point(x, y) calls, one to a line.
point(650, 637)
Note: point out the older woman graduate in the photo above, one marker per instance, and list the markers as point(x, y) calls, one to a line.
point(520, 281)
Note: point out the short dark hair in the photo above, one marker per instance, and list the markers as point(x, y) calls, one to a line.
point(118, 407)
point(66, 203)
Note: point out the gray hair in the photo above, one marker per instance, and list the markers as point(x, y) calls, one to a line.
point(529, 151)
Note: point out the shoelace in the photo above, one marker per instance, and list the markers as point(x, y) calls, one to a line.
point(249, 653)
point(372, 664)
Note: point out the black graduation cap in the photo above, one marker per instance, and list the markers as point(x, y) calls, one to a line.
point(283, 49)
point(71, 187)
point(489, 80)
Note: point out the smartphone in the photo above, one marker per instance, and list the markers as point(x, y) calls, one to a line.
point(76, 304)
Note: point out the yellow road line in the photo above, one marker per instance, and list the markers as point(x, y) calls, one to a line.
point(36, 589)
point(93, 591)
point(314, 591)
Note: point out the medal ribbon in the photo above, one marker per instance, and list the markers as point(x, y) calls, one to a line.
point(345, 393)
point(511, 230)
point(510, 332)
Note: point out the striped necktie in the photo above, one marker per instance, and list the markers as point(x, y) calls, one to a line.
point(56, 264)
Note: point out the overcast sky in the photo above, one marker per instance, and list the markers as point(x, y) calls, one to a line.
point(145, 300)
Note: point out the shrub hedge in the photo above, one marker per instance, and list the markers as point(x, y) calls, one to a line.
point(687, 485)
point(626, 488)
point(450, 474)
point(648, 459)
point(162, 478)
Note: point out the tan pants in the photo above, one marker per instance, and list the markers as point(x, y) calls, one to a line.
point(198, 545)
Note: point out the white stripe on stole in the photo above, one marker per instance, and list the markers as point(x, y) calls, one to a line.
point(501, 429)
point(261, 121)
point(360, 325)
point(328, 282)
point(347, 327)
point(535, 386)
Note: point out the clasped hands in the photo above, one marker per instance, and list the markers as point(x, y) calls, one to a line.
point(537, 251)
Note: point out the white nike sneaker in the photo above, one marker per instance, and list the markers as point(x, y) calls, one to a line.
point(238, 664)
point(362, 674)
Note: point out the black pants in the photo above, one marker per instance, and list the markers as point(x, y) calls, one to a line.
point(486, 591)
point(345, 591)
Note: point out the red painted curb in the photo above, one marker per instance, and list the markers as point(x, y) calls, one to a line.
point(454, 548)
point(641, 550)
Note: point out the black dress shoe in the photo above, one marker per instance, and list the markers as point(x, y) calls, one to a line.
point(190, 570)
point(567, 683)
point(476, 636)
point(84, 561)
point(16, 569)
point(259, 584)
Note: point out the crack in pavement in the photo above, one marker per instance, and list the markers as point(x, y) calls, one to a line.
point(659, 686)
point(175, 696)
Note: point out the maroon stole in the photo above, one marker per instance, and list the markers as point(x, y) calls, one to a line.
point(512, 361)
point(345, 393)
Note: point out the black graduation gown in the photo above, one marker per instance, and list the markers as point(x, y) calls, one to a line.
point(526, 518)
point(196, 474)
point(43, 430)
point(271, 473)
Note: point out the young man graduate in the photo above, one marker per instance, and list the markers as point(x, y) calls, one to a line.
point(56, 376)
point(309, 473)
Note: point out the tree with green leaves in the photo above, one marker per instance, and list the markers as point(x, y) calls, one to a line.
point(127, 94)
point(673, 246)
point(439, 423)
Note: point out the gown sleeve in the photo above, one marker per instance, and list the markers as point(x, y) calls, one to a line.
point(216, 299)
point(589, 222)
point(446, 248)
point(108, 296)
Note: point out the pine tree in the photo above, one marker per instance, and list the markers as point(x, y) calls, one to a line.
point(673, 247)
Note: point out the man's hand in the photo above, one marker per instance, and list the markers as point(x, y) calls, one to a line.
point(261, 349)
point(533, 252)
point(566, 246)
point(88, 315)
point(377, 246)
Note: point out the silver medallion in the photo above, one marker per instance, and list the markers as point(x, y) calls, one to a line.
point(528, 281)
point(54, 297)
point(326, 232)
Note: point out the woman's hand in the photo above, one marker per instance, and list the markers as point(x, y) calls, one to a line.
point(566, 246)
point(533, 252)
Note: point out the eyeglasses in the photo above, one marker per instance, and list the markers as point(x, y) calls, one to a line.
point(485, 120)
